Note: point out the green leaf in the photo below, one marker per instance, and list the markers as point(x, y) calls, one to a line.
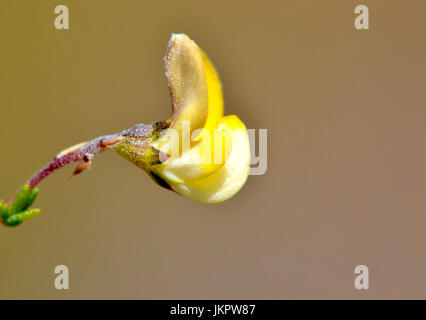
point(19, 211)
point(20, 200)
point(4, 210)
point(31, 198)
point(18, 218)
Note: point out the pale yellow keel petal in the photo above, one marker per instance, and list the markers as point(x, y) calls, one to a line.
point(228, 179)
point(204, 158)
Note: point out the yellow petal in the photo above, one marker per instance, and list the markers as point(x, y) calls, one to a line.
point(187, 82)
point(194, 85)
point(225, 182)
point(200, 160)
point(215, 97)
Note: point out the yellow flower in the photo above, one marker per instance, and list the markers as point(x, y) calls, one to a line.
point(214, 164)
point(198, 152)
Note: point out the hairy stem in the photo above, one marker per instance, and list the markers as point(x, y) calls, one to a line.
point(83, 152)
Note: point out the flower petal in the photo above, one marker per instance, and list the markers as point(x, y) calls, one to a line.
point(215, 96)
point(187, 82)
point(202, 159)
point(225, 182)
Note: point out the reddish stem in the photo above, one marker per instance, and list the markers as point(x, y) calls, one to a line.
point(84, 153)
point(87, 151)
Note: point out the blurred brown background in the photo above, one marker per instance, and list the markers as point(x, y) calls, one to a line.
point(346, 180)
